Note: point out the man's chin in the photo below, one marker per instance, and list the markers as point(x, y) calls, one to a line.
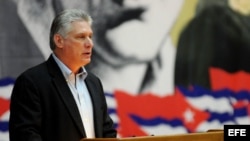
point(86, 62)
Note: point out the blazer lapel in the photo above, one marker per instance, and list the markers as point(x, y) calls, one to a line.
point(65, 93)
point(96, 102)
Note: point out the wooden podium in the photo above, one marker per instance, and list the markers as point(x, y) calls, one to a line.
point(210, 135)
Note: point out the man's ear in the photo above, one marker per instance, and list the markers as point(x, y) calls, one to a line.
point(58, 39)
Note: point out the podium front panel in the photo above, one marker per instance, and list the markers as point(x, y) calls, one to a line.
point(206, 136)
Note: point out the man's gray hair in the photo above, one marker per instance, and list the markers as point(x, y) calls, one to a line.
point(62, 23)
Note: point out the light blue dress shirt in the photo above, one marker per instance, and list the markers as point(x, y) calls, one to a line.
point(81, 95)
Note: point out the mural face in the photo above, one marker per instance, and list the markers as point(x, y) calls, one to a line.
point(152, 85)
point(134, 39)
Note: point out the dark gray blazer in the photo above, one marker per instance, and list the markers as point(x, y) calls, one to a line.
point(43, 108)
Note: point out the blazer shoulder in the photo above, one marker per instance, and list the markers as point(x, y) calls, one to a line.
point(92, 76)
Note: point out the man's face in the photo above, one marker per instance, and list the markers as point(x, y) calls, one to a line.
point(78, 44)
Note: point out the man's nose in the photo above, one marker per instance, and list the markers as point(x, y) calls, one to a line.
point(89, 42)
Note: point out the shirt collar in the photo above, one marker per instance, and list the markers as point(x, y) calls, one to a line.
point(67, 73)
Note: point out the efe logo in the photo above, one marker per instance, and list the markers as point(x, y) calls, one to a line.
point(241, 132)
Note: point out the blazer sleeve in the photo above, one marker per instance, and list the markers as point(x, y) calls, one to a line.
point(25, 111)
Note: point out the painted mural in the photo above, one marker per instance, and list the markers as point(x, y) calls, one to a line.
point(167, 66)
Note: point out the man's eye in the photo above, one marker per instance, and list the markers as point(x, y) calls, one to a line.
point(81, 37)
point(84, 37)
